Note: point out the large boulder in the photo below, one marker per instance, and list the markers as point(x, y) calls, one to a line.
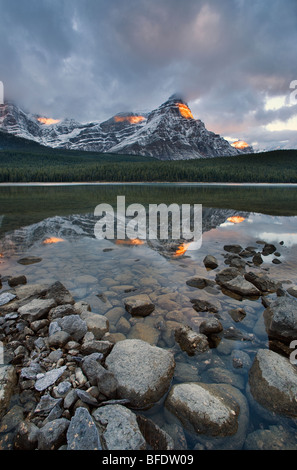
point(143, 372)
point(280, 319)
point(273, 383)
point(204, 408)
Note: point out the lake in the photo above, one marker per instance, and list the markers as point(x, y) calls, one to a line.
point(56, 224)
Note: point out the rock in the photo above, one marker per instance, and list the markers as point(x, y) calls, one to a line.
point(143, 372)
point(31, 371)
point(280, 319)
point(49, 378)
point(17, 280)
point(6, 297)
point(226, 275)
point(190, 341)
point(273, 438)
point(273, 383)
point(82, 433)
point(91, 366)
point(59, 292)
point(257, 259)
point(237, 314)
point(203, 306)
point(8, 381)
point(139, 305)
point(241, 361)
point(240, 286)
point(204, 408)
point(36, 309)
point(200, 282)
point(74, 326)
point(58, 339)
point(11, 420)
point(29, 260)
point(292, 291)
point(61, 311)
point(210, 326)
point(96, 324)
point(94, 346)
point(156, 437)
point(210, 262)
point(46, 405)
point(233, 248)
point(119, 428)
point(276, 261)
point(26, 436)
point(268, 249)
point(53, 434)
point(262, 282)
point(145, 333)
point(86, 397)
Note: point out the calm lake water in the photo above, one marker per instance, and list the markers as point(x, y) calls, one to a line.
point(102, 272)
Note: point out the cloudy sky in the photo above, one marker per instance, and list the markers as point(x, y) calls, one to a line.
point(233, 60)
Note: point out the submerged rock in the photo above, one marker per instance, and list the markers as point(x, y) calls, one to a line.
point(273, 383)
point(240, 286)
point(139, 305)
point(210, 262)
point(190, 341)
point(204, 408)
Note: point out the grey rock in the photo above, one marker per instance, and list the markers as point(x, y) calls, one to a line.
point(203, 306)
point(204, 408)
point(139, 305)
point(86, 397)
point(268, 249)
point(49, 378)
point(91, 366)
point(58, 339)
point(227, 274)
point(11, 420)
point(6, 297)
point(210, 262)
point(120, 430)
point(239, 285)
point(59, 292)
point(281, 319)
point(95, 346)
point(143, 372)
point(273, 383)
point(200, 282)
point(74, 326)
point(46, 405)
point(70, 399)
point(292, 291)
point(53, 434)
point(31, 372)
point(262, 282)
point(36, 309)
point(53, 328)
point(210, 326)
point(82, 433)
point(96, 324)
point(190, 341)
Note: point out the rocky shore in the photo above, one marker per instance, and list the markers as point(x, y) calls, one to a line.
point(70, 383)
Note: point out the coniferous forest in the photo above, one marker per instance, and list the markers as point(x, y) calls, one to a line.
point(25, 161)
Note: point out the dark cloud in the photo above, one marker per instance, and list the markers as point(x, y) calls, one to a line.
point(89, 59)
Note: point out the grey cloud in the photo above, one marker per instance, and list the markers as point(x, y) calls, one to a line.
point(89, 59)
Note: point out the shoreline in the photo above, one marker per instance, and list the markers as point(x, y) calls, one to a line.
point(120, 183)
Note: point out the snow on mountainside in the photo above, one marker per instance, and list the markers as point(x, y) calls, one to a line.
point(169, 132)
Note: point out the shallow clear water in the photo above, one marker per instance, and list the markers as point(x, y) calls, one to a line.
point(103, 272)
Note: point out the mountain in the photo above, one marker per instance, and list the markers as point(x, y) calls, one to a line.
point(169, 132)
